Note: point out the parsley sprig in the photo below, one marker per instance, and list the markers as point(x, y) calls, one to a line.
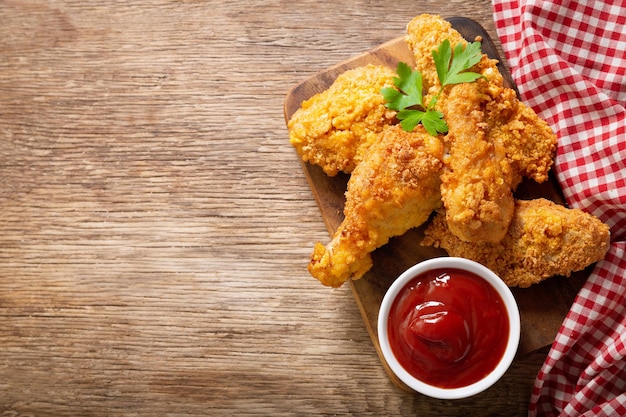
point(408, 99)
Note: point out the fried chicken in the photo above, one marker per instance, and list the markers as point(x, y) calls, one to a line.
point(469, 175)
point(424, 35)
point(393, 189)
point(543, 240)
point(494, 139)
point(335, 127)
point(476, 186)
point(529, 142)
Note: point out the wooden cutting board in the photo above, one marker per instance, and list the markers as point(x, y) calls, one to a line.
point(542, 306)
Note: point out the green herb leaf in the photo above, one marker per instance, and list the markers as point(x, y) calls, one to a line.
point(408, 98)
point(433, 122)
point(410, 119)
point(452, 64)
point(442, 57)
point(410, 85)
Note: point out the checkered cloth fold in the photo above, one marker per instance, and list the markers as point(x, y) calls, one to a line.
point(568, 59)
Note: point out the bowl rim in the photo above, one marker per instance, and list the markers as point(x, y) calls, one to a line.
point(514, 327)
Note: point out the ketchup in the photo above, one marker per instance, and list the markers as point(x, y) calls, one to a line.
point(448, 328)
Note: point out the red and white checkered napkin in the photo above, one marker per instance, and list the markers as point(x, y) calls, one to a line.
point(568, 59)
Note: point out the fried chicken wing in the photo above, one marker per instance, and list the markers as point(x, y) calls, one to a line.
point(494, 139)
point(544, 239)
point(334, 128)
point(393, 189)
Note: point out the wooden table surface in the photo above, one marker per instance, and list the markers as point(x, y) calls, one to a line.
point(156, 224)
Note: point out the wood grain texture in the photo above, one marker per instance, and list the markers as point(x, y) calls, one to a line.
point(156, 224)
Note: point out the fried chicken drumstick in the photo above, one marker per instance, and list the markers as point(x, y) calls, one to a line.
point(393, 189)
point(544, 239)
point(494, 139)
point(476, 187)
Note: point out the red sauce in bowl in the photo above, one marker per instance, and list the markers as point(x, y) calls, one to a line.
point(448, 328)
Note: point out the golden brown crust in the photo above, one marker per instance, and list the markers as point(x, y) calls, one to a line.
point(494, 139)
point(544, 239)
point(529, 142)
point(424, 34)
point(394, 188)
point(333, 128)
point(477, 186)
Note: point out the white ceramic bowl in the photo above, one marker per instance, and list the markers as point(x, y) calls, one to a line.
point(513, 336)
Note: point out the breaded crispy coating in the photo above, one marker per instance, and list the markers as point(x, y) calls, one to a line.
point(494, 139)
point(544, 239)
point(424, 34)
point(476, 186)
point(529, 142)
point(393, 189)
point(334, 128)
